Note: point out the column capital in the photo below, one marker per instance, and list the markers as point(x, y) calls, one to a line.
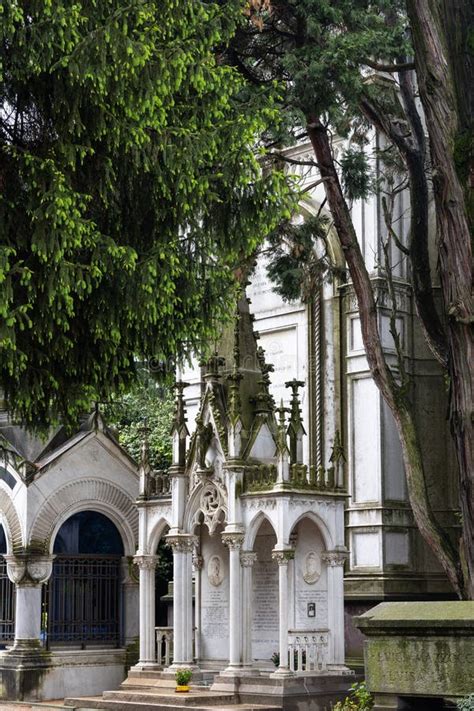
point(335, 558)
point(29, 569)
point(247, 558)
point(182, 542)
point(198, 561)
point(233, 540)
point(283, 557)
point(146, 562)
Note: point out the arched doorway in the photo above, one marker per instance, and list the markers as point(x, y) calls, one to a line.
point(7, 597)
point(83, 604)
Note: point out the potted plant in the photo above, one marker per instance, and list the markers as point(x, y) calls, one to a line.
point(182, 680)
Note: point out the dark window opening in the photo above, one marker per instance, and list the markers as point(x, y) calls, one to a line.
point(7, 597)
point(163, 576)
point(83, 600)
point(7, 477)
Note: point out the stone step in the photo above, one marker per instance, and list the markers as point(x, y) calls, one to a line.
point(113, 705)
point(195, 697)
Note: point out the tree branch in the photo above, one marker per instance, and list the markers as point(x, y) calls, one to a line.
point(389, 68)
point(414, 158)
point(392, 393)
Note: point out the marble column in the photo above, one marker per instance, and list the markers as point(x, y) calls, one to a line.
point(198, 562)
point(131, 602)
point(147, 565)
point(28, 572)
point(182, 546)
point(335, 572)
point(283, 557)
point(247, 560)
point(233, 540)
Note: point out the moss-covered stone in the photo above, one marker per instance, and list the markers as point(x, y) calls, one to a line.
point(420, 648)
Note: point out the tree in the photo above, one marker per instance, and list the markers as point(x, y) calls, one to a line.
point(146, 404)
point(345, 66)
point(130, 189)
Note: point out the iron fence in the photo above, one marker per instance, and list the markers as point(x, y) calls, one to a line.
point(82, 602)
point(7, 605)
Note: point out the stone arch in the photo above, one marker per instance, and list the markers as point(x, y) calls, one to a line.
point(253, 527)
point(319, 523)
point(311, 208)
point(86, 494)
point(156, 534)
point(11, 522)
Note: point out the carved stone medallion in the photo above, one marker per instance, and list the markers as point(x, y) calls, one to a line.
point(312, 568)
point(215, 571)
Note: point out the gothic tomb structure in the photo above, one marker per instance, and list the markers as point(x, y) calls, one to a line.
point(257, 535)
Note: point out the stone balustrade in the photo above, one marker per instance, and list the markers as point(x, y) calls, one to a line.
point(307, 651)
point(161, 484)
point(164, 645)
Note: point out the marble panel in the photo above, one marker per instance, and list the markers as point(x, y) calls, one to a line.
point(214, 597)
point(365, 464)
point(265, 599)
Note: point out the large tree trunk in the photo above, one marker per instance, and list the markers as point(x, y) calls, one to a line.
point(395, 397)
point(440, 104)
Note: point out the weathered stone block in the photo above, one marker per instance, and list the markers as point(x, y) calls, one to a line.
point(423, 649)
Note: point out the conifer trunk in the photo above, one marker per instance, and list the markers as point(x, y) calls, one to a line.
point(438, 95)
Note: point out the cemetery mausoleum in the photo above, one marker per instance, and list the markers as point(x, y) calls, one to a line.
point(285, 510)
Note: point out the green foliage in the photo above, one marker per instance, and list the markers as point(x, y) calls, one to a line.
point(183, 676)
point(298, 260)
point(466, 704)
point(357, 179)
point(130, 191)
point(146, 402)
point(359, 699)
point(318, 52)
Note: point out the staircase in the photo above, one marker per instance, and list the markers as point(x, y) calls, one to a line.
point(153, 691)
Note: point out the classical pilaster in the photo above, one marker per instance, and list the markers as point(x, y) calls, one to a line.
point(283, 557)
point(146, 565)
point(131, 600)
point(247, 560)
point(198, 563)
point(182, 546)
point(28, 572)
point(335, 572)
point(233, 540)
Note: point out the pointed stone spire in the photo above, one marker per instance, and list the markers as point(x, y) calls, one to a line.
point(144, 469)
point(295, 427)
point(266, 369)
point(234, 409)
point(179, 430)
point(338, 459)
point(283, 462)
point(212, 368)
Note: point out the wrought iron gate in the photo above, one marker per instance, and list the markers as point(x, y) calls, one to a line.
point(83, 600)
point(7, 605)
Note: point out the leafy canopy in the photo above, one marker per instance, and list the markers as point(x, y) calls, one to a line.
point(146, 403)
point(320, 53)
point(129, 191)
